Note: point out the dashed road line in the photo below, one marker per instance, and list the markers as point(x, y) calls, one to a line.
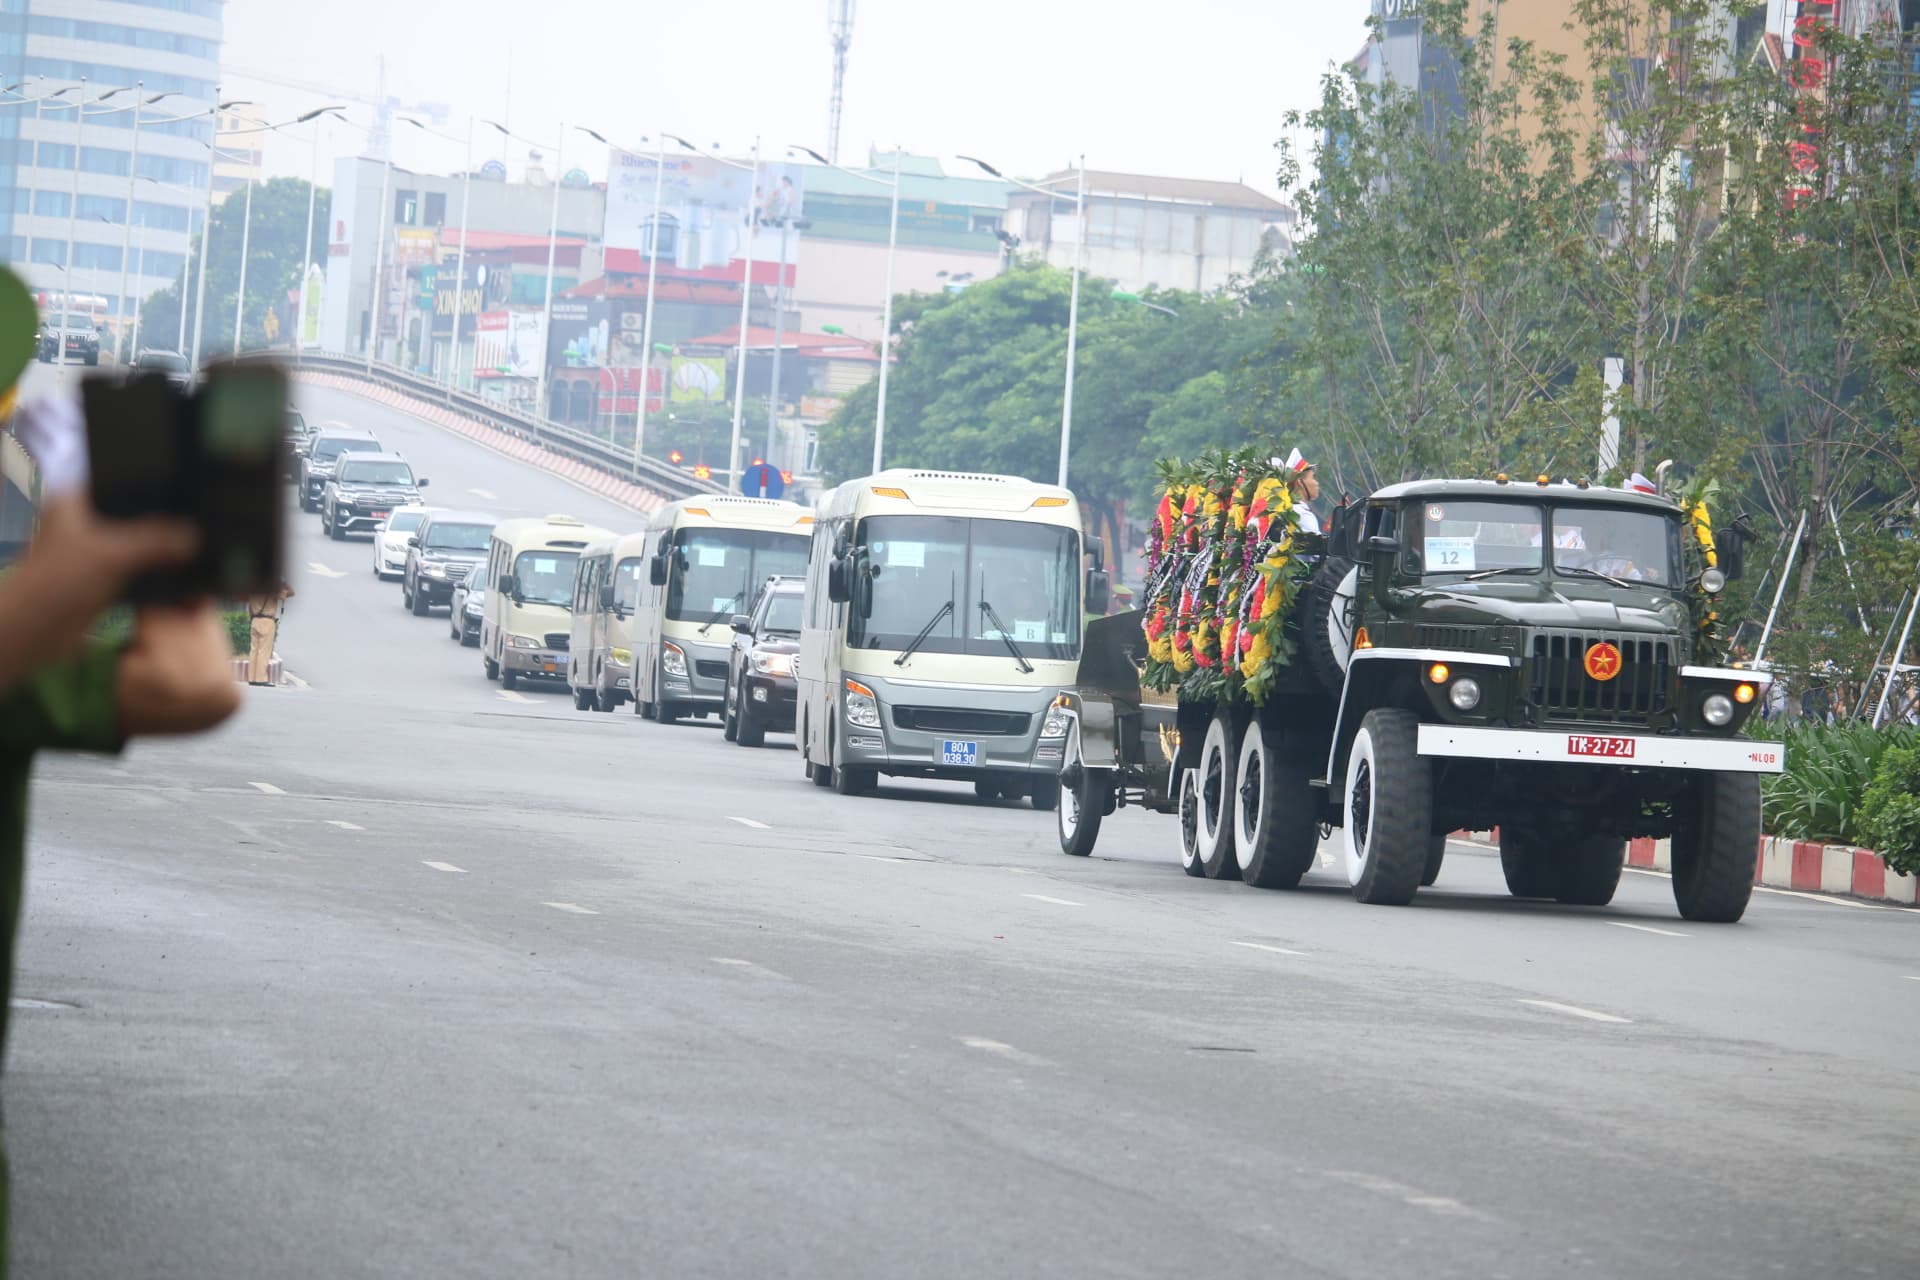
point(748, 966)
point(999, 1049)
point(324, 571)
point(881, 857)
point(344, 825)
point(572, 907)
point(448, 866)
point(1575, 1011)
point(1058, 902)
point(1445, 1206)
point(266, 788)
point(288, 677)
point(488, 494)
point(511, 696)
point(1646, 928)
point(1279, 951)
point(1913, 977)
point(749, 822)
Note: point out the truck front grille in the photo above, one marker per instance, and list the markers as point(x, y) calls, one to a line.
point(962, 720)
point(1563, 690)
point(1433, 637)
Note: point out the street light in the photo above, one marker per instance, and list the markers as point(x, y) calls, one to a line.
point(1122, 295)
point(553, 233)
point(1073, 305)
point(133, 175)
point(206, 233)
point(746, 293)
point(306, 245)
point(646, 323)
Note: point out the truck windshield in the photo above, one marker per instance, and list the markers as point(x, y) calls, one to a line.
point(1476, 537)
point(546, 577)
point(717, 570)
point(1634, 546)
point(1006, 580)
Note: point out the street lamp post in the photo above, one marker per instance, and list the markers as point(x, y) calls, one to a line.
point(553, 236)
point(460, 263)
point(374, 301)
point(740, 373)
point(306, 245)
point(787, 222)
point(240, 294)
point(206, 234)
point(73, 212)
point(646, 323)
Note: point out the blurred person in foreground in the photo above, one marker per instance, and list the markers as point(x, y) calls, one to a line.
point(59, 689)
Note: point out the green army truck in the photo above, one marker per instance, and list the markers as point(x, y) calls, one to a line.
point(1468, 655)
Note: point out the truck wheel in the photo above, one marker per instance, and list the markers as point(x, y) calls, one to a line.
point(1714, 848)
point(1326, 631)
point(1081, 807)
point(1436, 854)
point(1590, 870)
point(1189, 811)
point(1215, 781)
point(1389, 809)
point(1525, 863)
point(1275, 835)
point(1045, 794)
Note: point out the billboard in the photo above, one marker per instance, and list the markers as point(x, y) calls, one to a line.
point(706, 209)
point(699, 379)
point(486, 289)
point(509, 344)
point(580, 335)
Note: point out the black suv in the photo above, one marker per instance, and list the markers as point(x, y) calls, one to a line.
point(766, 639)
point(82, 339)
point(170, 363)
point(364, 490)
point(439, 554)
point(321, 456)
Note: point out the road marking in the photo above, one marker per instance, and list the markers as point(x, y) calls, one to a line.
point(266, 788)
point(1058, 902)
point(1913, 978)
point(324, 571)
point(1446, 1206)
point(1574, 1011)
point(748, 966)
point(488, 494)
point(511, 696)
point(1001, 1050)
point(448, 866)
point(344, 826)
point(294, 680)
point(1261, 946)
point(876, 857)
point(573, 907)
point(1792, 893)
point(749, 822)
point(1644, 928)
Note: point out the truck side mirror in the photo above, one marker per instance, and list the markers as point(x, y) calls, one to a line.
point(1384, 544)
point(1099, 591)
point(1096, 547)
point(1730, 550)
point(657, 569)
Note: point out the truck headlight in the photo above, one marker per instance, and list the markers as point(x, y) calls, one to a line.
point(522, 642)
point(772, 664)
point(863, 709)
point(673, 660)
point(1056, 724)
point(1717, 709)
point(1713, 582)
point(1464, 693)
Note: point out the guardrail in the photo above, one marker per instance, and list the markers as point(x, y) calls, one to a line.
point(563, 440)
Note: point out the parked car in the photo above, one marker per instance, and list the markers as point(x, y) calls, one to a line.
point(390, 540)
point(437, 556)
point(82, 338)
point(323, 454)
point(469, 602)
point(171, 363)
point(365, 489)
point(760, 687)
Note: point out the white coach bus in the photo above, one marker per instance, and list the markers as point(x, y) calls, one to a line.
point(706, 558)
point(943, 617)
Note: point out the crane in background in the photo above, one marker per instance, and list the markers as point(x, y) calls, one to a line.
point(840, 33)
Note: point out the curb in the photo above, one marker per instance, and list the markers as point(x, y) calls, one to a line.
point(275, 672)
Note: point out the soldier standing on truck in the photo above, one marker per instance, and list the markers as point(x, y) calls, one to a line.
point(1306, 487)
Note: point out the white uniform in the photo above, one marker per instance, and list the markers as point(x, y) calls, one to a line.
point(1308, 522)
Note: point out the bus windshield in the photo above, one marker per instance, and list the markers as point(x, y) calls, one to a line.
point(717, 570)
point(546, 577)
point(1004, 580)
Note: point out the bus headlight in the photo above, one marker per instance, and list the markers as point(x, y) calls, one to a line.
point(522, 642)
point(863, 709)
point(1464, 693)
point(622, 657)
point(1056, 724)
point(1717, 709)
point(673, 660)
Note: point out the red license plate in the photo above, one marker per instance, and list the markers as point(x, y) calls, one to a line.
point(380, 515)
point(1586, 744)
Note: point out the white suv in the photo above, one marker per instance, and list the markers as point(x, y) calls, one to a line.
point(390, 540)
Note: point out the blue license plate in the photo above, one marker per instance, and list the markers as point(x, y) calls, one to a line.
point(954, 752)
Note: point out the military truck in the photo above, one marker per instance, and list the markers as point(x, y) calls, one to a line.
point(1532, 658)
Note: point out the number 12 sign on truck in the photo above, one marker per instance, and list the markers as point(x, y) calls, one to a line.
point(943, 618)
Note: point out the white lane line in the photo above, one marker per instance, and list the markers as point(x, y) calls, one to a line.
point(488, 494)
point(1445, 1206)
point(749, 822)
point(445, 866)
point(294, 680)
point(1645, 928)
point(1913, 977)
point(511, 696)
point(876, 857)
point(573, 907)
point(1575, 1011)
point(1279, 951)
point(1795, 893)
point(324, 571)
point(344, 826)
point(1058, 902)
point(1002, 1050)
point(748, 966)
point(266, 788)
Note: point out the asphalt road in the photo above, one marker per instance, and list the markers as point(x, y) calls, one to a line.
point(401, 975)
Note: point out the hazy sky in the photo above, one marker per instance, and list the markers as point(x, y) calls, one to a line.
point(1195, 88)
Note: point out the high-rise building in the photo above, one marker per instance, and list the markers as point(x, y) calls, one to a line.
point(73, 78)
point(242, 148)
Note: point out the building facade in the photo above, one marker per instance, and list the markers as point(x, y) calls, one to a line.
point(240, 154)
point(80, 76)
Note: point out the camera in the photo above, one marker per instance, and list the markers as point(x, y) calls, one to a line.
point(211, 454)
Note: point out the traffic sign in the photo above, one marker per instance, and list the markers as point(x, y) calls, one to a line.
point(763, 481)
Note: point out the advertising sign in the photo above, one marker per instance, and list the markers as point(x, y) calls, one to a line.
point(699, 379)
point(509, 344)
point(415, 246)
point(706, 209)
point(580, 334)
point(315, 287)
point(486, 289)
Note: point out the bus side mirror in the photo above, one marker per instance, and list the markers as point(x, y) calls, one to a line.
point(606, 596)
point(657, 569)
point(1099, 591)
point(508, 587)
point(1097, 548)
point(840, 579)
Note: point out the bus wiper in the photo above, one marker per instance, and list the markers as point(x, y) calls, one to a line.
point(1511, 568)
point(1026, 668)
point(925, 631)
point(1584, 572)
point(724, 611)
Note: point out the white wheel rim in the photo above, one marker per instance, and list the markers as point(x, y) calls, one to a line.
point(1340, 630)
point(1069, 811)
point(1213, 751)
point(1189, 815)
point(1359, 762)
point(1255, 761)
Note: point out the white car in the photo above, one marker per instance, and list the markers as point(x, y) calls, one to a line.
point(390, 540)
